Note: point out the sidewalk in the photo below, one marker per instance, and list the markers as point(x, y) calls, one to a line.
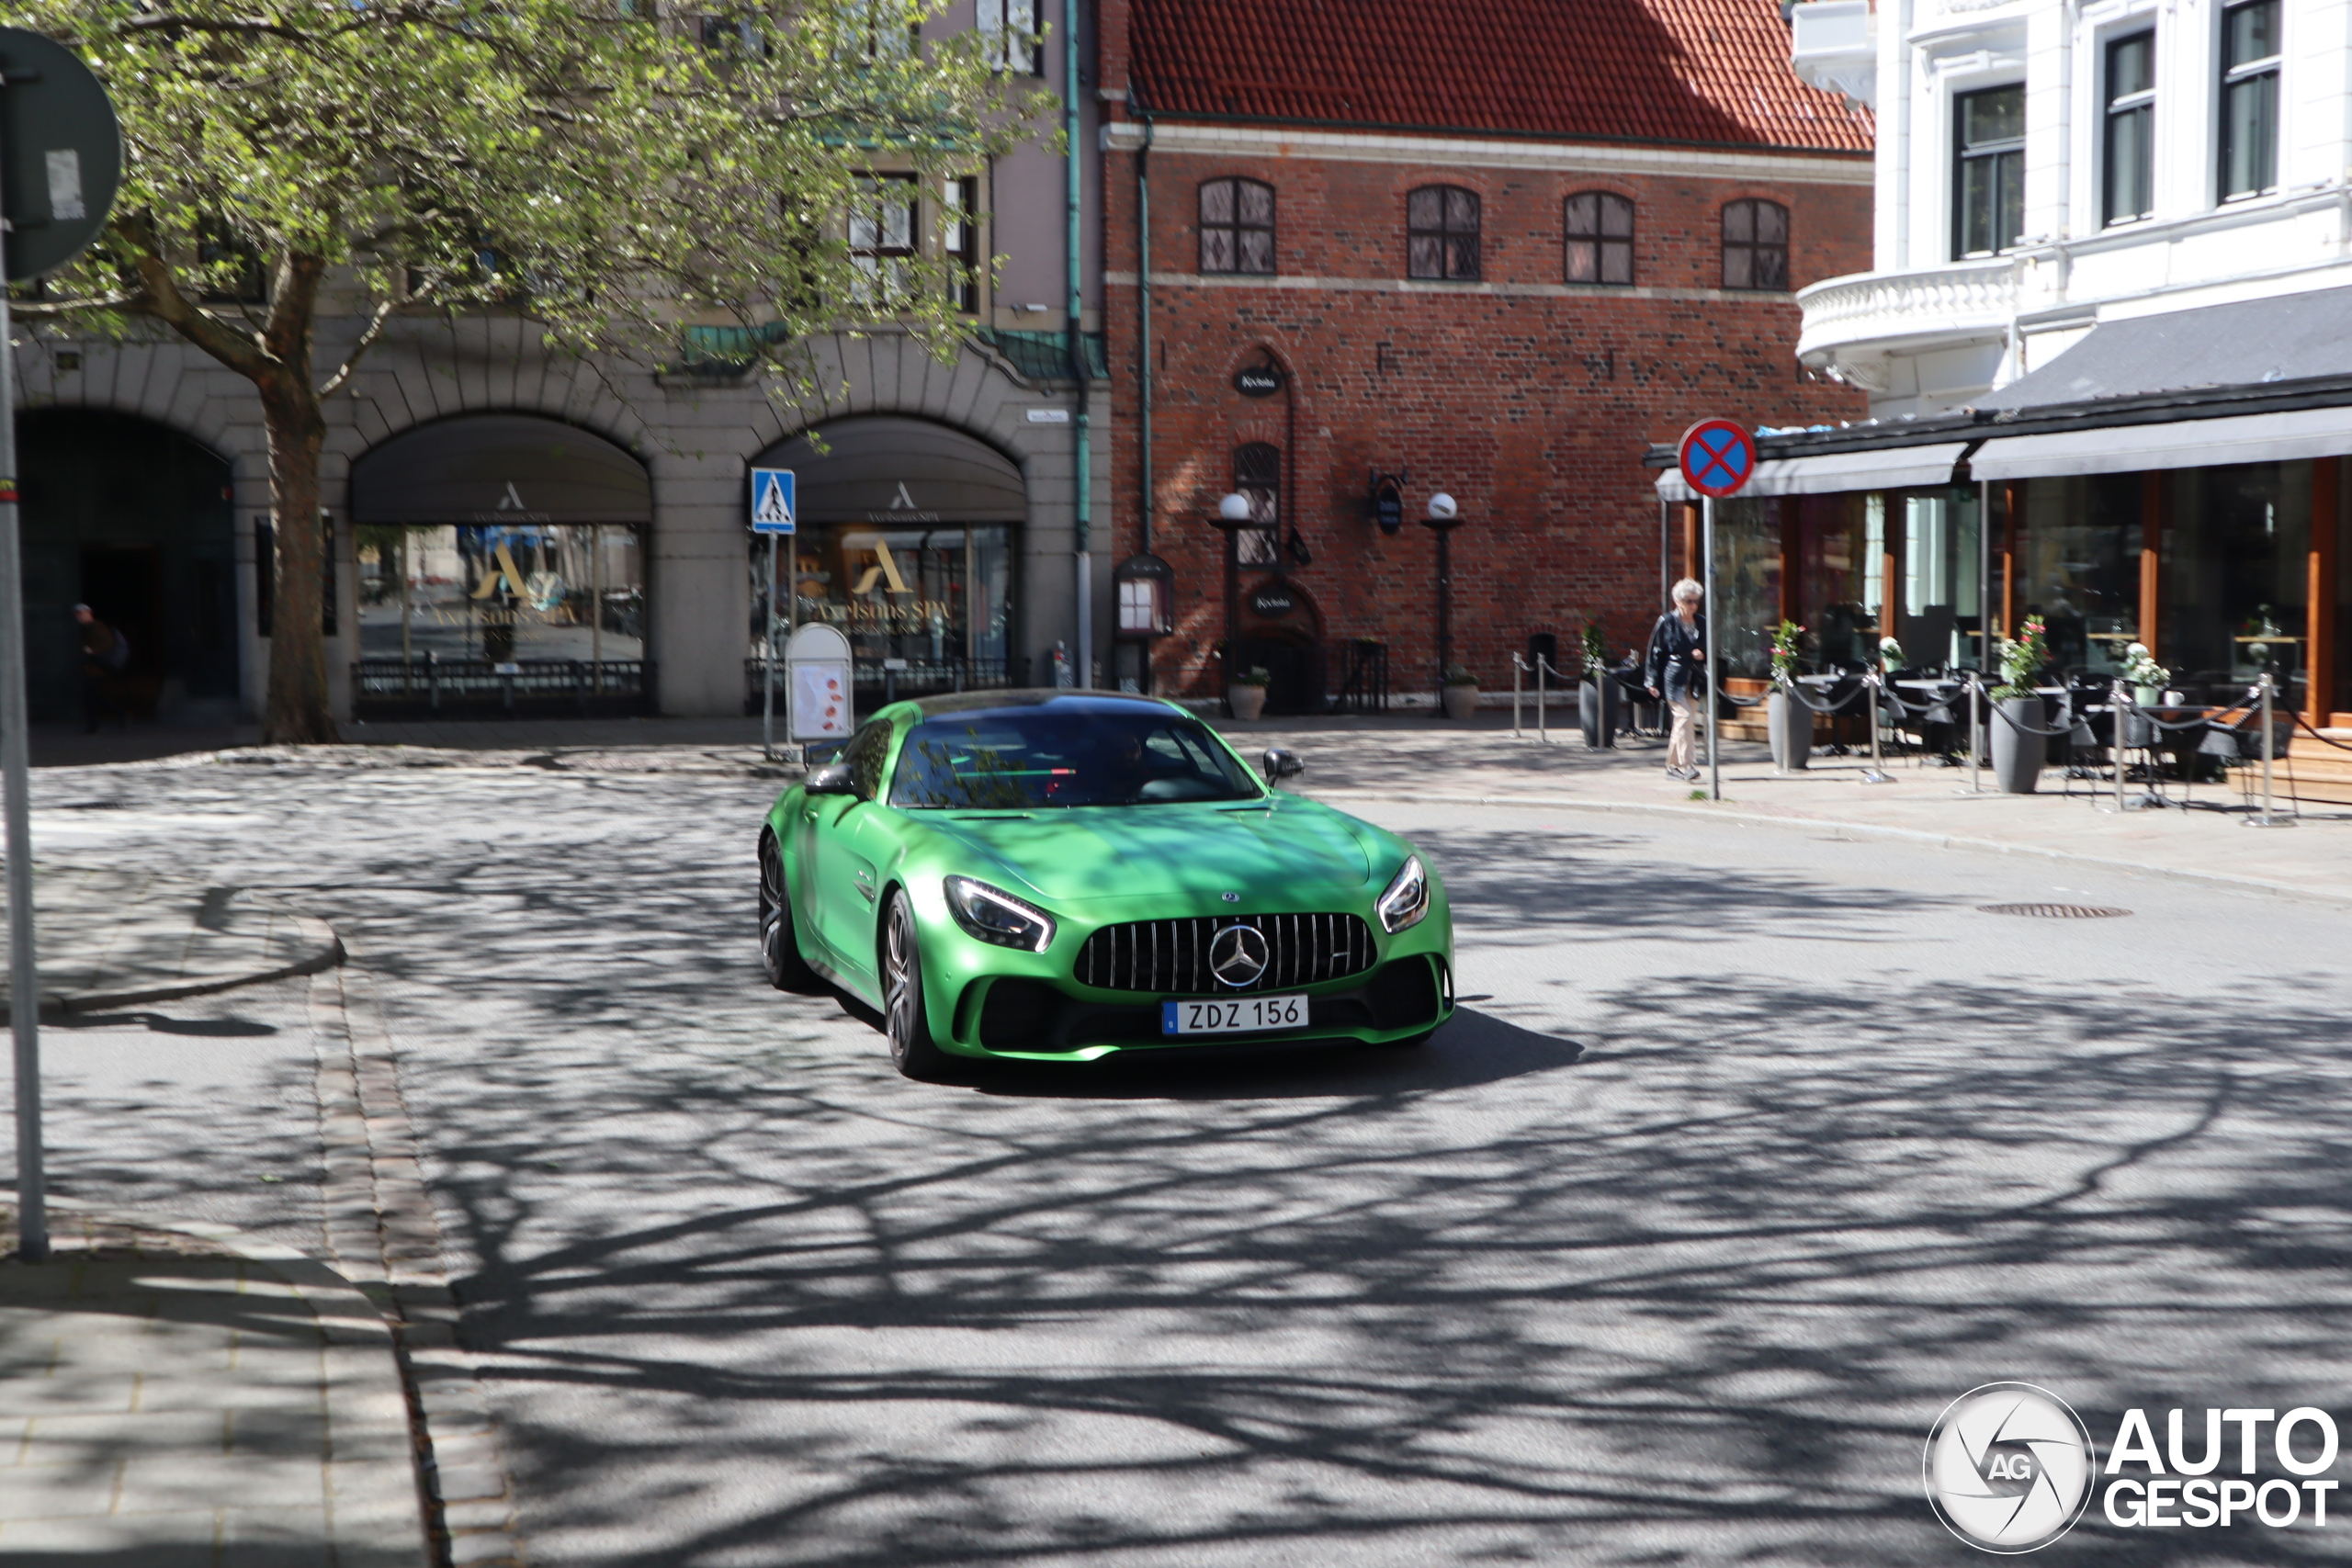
point(189, 1397)
point(1363, 760)
point(113, 938)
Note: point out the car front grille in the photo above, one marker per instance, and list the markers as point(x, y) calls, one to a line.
point(1173, 955)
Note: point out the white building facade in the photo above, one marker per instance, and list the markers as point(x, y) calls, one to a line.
point(2107, 343)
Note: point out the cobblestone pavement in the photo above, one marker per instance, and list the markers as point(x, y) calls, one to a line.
point(1752, 1147)
point(190, 1397)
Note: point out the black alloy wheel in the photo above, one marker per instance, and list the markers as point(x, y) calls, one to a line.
point(913, 1050)
point(779, 952)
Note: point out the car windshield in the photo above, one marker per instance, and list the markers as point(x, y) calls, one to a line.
point(1020, 759)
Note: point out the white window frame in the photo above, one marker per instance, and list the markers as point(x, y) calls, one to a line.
point(1013, 37)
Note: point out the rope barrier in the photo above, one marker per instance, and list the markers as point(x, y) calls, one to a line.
point(2010, 719)
point(1797, 692)
point(2306, 725)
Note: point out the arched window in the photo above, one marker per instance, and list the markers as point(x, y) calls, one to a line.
point(1258, 474)
point(1441, 233)
point(1236, 226)
point(1756, 244)
point(1600, 229)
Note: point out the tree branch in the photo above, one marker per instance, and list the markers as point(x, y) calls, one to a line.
point(22, 308)
point(377, 321)
point(165, 302)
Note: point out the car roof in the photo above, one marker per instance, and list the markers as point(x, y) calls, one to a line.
point(1058, 698)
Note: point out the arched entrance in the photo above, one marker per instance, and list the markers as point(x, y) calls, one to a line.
point(133, 519)
point(501, 569)
point(1279, 630)
point(909, 534)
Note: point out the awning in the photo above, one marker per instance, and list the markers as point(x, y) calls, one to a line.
point(1885, 467)
point(2174, 444)
point(499, 468)
point(882, 468)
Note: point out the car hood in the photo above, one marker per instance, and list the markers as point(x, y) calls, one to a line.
point(1173, 850)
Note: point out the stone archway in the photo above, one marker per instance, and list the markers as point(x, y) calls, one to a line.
point(1279, 628)
point(136, 520)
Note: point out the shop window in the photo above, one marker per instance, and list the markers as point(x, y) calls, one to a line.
point(2079, 568)
point(1988, 171)
point(2236, 579)
point(1010, 39)
point(1257, 474)
point(1756, 244)
point(2249, 143)
point(1236, 226)
point(882, 238)
point(962, 243)
point(937, 597)
point(1442, 234)
point(2129, 171)
point(1600, 229)
point(562, 591)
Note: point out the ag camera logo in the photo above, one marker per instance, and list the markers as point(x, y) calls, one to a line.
point(2008, 1467)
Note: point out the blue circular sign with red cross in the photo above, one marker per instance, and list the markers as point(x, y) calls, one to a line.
point(1717, 457)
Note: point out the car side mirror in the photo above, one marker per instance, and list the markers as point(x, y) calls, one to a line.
point(833, 778)
point(1280, 764)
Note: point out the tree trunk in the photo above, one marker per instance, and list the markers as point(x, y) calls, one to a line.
point(297, 711)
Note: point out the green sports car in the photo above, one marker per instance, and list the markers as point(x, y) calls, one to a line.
point(1057, 876)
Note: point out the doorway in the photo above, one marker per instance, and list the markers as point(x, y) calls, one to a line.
point(123, 586)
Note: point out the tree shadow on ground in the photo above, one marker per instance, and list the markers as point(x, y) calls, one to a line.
point(744, 1296)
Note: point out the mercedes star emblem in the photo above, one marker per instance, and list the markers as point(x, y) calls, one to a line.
point(1237, 955)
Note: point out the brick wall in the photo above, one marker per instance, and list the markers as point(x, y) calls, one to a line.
point(1529, 402)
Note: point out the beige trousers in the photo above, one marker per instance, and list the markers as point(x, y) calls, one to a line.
point(1681, 741)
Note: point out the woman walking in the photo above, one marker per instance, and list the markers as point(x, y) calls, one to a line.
point(1675, 669)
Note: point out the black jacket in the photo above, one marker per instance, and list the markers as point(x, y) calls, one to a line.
point(1673, 662)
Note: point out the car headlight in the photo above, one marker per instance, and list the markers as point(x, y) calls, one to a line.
point(1407, 898)
point(993, 915)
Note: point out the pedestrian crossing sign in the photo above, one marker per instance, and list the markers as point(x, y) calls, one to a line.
point(774, 505)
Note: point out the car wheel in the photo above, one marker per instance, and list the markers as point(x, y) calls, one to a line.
point(779, 951)
point(912, 1051)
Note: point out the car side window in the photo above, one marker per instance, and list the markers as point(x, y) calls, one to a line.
point(866, 753)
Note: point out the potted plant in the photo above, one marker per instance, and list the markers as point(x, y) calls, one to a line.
point(1246, 694)
point(2018, 722)
point(1461, 692)
point(1597, 696)
point(1787, 721)
point(2145, 676)
point(1890, 655)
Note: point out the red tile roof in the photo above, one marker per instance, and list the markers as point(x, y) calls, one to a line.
point(1685, 70)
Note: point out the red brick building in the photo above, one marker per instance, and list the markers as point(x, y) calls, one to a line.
point(1500, 246)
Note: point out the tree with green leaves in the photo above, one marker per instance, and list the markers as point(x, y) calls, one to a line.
point(612, 171)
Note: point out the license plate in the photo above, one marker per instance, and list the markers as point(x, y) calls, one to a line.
point(1240, 1015)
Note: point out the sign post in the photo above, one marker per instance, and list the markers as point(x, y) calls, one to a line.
point(819, 663)
point(61, 159)
point(775, 511)
point(1718, 459)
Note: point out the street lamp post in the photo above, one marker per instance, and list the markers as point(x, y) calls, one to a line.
point(1232, 515)
point(1443, 518)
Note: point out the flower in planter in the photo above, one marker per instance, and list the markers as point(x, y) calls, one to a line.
point(1890, 653)
point(2021, 658)
point(2141, 668)
point(1459, 675)
point(1786, 644)
point(1596, 651)
point(1256, 675)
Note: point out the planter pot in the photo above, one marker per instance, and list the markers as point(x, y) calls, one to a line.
point(2017, 756)
point(1461, 702)
point(1789, 724)
point(2147, 697)
point(1247, 702)
point(1597, 708)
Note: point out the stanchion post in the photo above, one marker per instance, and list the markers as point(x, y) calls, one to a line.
point(1874, 774)
point(1976, 736)
point(2115, 703)
point(2269, 755)
point(1517, 664)
point(1543, 700)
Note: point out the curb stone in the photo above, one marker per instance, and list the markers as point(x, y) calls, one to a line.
point(381, 1227)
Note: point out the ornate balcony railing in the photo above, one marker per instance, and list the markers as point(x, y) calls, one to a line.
point(1853, 312)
